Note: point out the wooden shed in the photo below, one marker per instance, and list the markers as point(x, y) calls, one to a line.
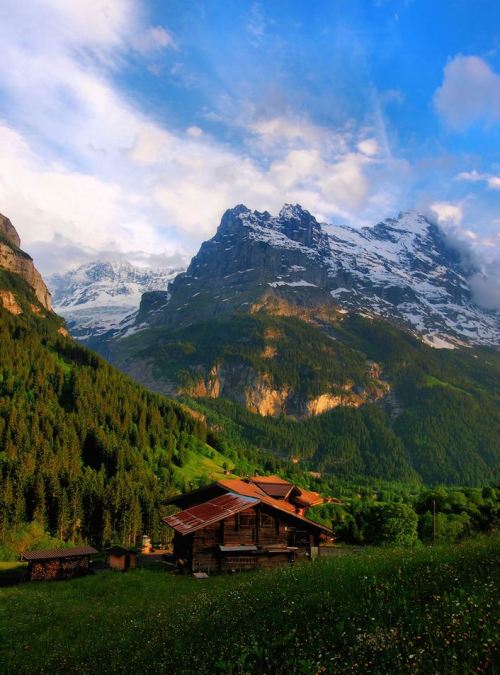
point(236, 525)
point(59, 563)
point(119, 558)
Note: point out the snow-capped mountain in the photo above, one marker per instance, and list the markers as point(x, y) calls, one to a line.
point(402, 269)
point(98, 297)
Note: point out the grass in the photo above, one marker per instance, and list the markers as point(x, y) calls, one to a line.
point(10, 565)
point(199, 466)
point(432, 381)
point(12, 572)
point(428, 610)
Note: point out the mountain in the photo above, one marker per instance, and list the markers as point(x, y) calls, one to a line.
point(315, 344)
point(101, 297)
point(401, 269)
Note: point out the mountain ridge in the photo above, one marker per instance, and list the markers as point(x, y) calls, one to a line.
point(401, 269)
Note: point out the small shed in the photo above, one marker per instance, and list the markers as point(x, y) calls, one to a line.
point(59, 563)
point(119, 558)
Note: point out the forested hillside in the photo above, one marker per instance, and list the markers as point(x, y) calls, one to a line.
point(439, 421)
point(84, 452)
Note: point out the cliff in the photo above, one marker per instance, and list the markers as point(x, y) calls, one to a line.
point(16, 261)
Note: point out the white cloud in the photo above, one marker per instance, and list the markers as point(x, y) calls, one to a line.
point(369, 147)
point(447, 213)
point(470, 93)
point(194, 132)
point(49, 203)
point(493, 182)
point(154, 39)
point(485, 286)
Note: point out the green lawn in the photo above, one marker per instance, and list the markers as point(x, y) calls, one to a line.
point(382, 611)
point(196, 466)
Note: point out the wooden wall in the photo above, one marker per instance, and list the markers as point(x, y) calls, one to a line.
point(118, 562)
point(258, 525)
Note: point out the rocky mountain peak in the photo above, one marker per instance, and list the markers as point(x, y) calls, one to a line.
point(299, 225)
point(401, 269)
point(9, 231)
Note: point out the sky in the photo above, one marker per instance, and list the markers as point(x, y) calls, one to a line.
point(127, 127)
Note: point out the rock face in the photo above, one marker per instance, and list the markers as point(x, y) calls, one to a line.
point(13, 259)
point(9, 232)
point(8, 301)
point(401, 269)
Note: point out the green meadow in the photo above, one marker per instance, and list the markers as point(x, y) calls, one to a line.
point(421, 610)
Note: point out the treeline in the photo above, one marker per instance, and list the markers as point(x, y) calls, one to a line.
point(442, 515)
point(85, 453)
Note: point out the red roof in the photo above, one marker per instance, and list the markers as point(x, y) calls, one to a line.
point(274, 486)
point(54, 553)
point(242, 487)
point(236, 487)
point(200, 516)
point(306, 497)
point(274, 480)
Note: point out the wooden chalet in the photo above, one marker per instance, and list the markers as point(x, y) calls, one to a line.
point(59, 563)
point(119, 558)
point(236, 524)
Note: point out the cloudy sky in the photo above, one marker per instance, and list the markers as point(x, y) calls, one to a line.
point(127, 127)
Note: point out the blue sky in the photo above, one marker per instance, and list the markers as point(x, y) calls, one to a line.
point(127, 127)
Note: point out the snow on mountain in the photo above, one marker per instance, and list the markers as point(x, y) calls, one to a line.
point(402, 269)
point(99, 297)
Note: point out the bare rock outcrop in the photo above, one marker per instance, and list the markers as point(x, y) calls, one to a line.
point(9, 302)
point(13, 259)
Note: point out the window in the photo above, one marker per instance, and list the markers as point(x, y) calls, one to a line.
point(266, 520)
point(247, 521)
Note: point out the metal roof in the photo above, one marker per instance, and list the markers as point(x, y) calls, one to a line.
point(249, 489)
point(273, 480)
point(306, 497)
point(276, 490)
point(197, 517)
point(55, 553)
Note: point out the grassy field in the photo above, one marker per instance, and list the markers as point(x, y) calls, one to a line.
point(196, 466)
point(382, 611)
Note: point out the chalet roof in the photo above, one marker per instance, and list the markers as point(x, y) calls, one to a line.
point(242, 487)
point(274, 486)
point(57, 553)
point(252, 490)
point(197, 517)
point(234, 487)
point(306, 498)
point(274, 480)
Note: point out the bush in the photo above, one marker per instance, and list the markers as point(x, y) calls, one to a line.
point(29, 537)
